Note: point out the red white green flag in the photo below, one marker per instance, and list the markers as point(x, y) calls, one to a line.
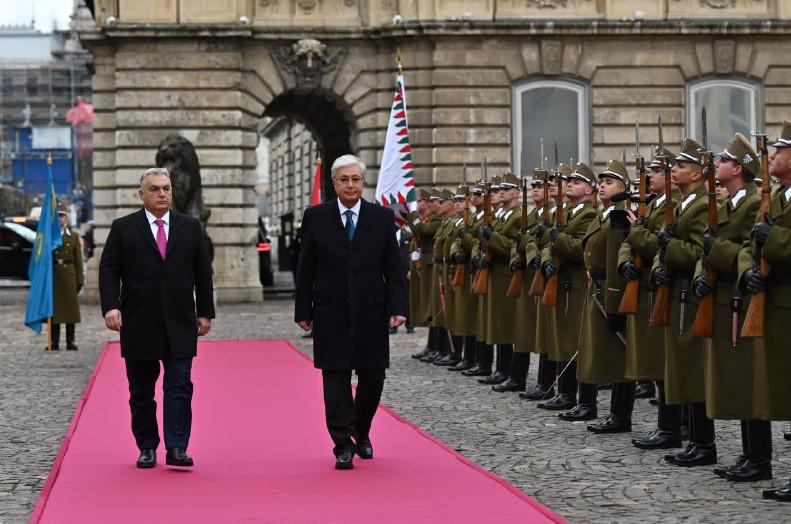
point(396, 185)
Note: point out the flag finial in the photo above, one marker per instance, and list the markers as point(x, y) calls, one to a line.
point(398, 60)
point(49, 158)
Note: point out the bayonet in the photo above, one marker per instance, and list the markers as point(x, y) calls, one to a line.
point(484, 172)
point(556, 156)
point(682, 311)
point(661, 148)
point(541, 154)
point(705, 133)
point(736, 306)
point(464, 174)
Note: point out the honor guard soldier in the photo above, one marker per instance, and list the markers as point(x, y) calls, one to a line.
point(484, 356)
point(680, 247)
point(602, 354)
point(466, 303)
point(729, 373)
point(67, 280)
point(645, 346)
point(563, 260)
point(545, 316)
point(439, 313)
point(526, 309)
point(771, 241)
point(414, 257)
point(499, 239)
point(424, 225)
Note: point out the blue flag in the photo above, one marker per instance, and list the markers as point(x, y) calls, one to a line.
point(48, 238)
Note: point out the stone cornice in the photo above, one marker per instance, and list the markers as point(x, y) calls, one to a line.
point(500, 28)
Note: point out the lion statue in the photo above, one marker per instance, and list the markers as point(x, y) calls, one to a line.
point(177, 154)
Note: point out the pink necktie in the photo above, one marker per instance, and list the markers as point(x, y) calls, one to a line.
point(162, 241)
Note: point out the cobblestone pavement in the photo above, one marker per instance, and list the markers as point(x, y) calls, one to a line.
point(583, 477)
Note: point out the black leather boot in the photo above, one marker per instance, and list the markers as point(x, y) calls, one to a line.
point(580, 412)
point(699, 455)
point(468, 355)
point(537, 392)
point(520, 365)
point(751, 470)
point(558, 402)
point(71, 345)
point(613, 424)
point(658, 439)
point(645, 389)
point(722, 471)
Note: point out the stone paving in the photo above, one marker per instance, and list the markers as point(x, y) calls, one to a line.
point(581, 476)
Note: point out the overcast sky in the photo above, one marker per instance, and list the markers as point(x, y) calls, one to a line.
point(45, 11)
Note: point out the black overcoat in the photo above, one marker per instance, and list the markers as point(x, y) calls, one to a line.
point(349, 289)
point(159, 299)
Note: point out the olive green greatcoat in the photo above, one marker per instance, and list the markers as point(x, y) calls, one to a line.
point(771, 363)
point(526, 309)
point(471, 243)
point(728, 370)
point(455, 314)
point(602, 356)
point(438, 271)
point(546, 335)
point(67, 279)
point(501, 309)
point(424, 228)
point(645, 346)
point(684, 382)
point(568, 247)
point(465, 305)
point(414, 281)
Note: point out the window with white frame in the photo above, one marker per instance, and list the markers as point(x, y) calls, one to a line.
point(731, 107)
point(555, 110)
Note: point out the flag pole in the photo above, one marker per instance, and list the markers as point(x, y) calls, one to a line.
point(49, 319)
point(398, 61)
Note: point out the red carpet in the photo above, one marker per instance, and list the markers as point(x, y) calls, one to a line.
point(262, 454)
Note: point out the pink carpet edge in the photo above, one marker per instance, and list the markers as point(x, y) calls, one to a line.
point(458, 456)
point(41, 503)
point(43, 498)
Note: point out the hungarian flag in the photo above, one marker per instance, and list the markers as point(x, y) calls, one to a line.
point(315, 196)
point(396, 185)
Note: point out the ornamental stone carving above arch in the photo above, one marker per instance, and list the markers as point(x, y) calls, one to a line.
point(306, 61)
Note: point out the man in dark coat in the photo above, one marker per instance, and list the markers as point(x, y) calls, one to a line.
point(152, 263)
point(350, 288)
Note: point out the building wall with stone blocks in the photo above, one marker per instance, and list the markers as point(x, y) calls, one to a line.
point(213, 81)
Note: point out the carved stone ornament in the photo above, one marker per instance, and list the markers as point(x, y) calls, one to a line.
point(307, 5)
point(724, 52)
point(267, 3)
point(547, 4)
point(308, 60)
point(551, 56)
point(718, 4)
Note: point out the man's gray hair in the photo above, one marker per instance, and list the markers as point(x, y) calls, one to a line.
point(347, 160)
point(153, 171)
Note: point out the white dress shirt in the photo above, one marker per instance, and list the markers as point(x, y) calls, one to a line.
point(151, 218)
point(355, 209)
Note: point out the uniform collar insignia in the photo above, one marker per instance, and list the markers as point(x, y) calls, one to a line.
point(738, 197)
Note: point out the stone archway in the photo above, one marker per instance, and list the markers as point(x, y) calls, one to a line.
point(327, 118)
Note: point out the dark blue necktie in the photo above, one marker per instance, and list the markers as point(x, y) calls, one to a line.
point(349, 223)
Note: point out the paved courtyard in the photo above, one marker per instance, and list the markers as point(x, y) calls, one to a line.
point(581, 476)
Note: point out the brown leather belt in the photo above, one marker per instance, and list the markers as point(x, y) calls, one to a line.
point(62, 261)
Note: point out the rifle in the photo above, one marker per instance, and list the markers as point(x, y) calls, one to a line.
point(704, 319)
point(659, 312)
point(550, 296)
point(537, 286)
point(515, 287)
point(756, 312)
point(480, 284)
point(632, 291)
point(460, 276)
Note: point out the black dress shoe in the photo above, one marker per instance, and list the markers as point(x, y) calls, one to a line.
point(54, 348)
point(787, 435)
point(658, 439)
point(344, 460)
point(699, 455)
point(613, 424)
point(178, 457)
point(147, 459)
point(671, 457)
point(721, 471)
point(783, 494)
point(558, 402)
point(463, 365)
point(645, 390)
point(538, 392)
point(364, 449)
point(495, 378)
point(511, 384)
point(751, 470)
point(71, 346)
point(430, 356)
point(447, 360)
point(653, 401)
point(421, 354)
point(769, 493)
point(477, 371)
point(580, 412)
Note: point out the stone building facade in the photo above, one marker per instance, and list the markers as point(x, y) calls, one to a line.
point(481, 77)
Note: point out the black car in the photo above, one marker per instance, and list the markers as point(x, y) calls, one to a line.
point(16, 244)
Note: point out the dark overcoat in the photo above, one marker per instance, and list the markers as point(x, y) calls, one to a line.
point(347, 289)
point(159, 299)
